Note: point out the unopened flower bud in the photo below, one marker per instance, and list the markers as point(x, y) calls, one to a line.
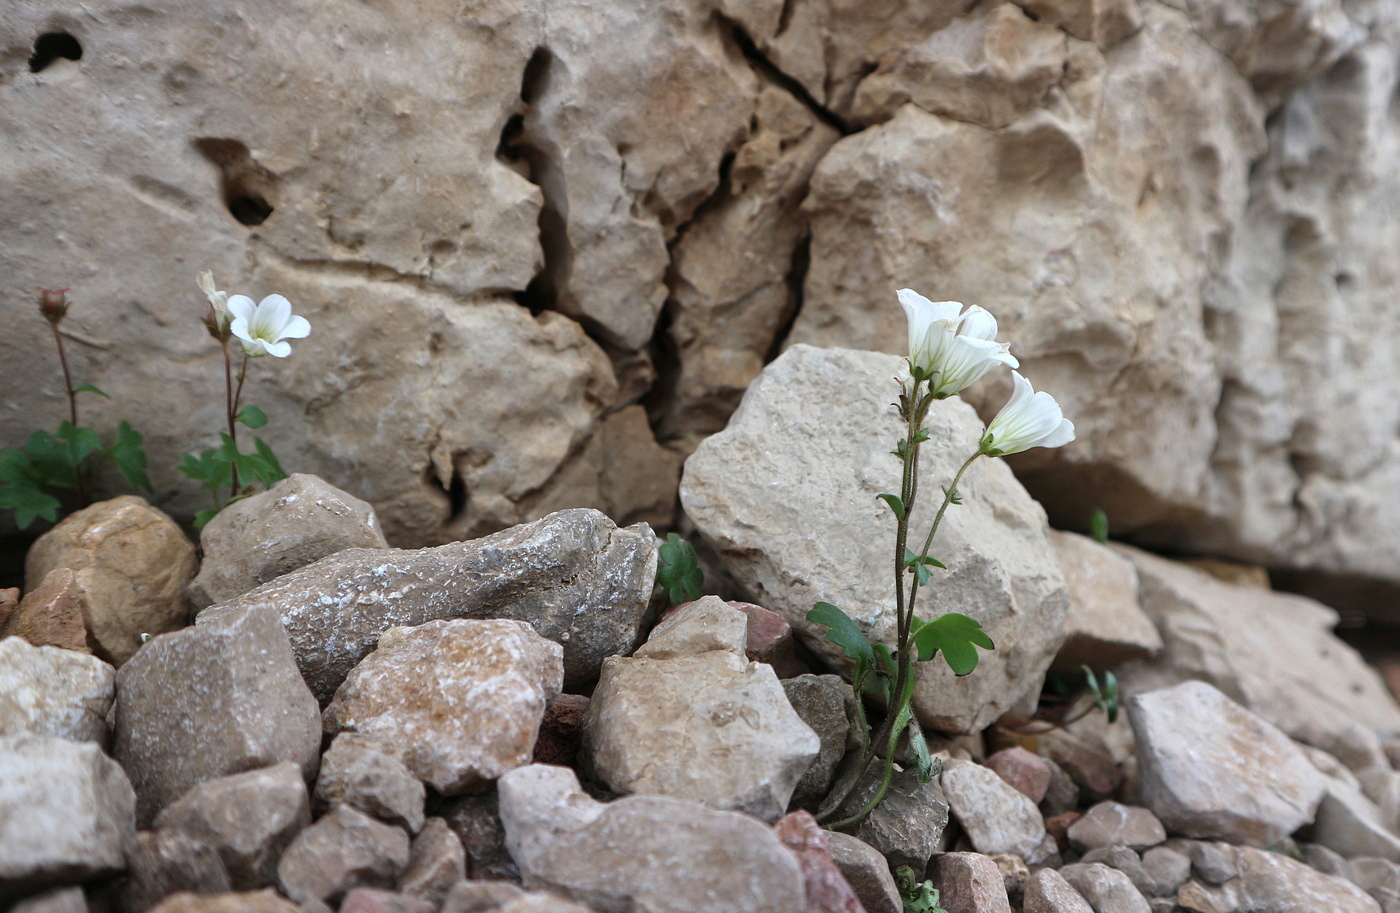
point(53, 304)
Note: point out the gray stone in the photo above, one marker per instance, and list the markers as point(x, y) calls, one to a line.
point(59, 900)
point(825, 704)
point(1106, 889)
point(478, 715)
point(996, 817)
point(824, 885)
point(1214, 863)
point(356, 771)
point(1328, 862)
point(743, 487)
point(1274, 882)
point(1124, 860)
point(969, 883)
point(345, 849)
point(867, 872)
point(1351, 824)
point(377, 900)
point(299, 520)
point(1106, 625)
point(1382, 786)
point(161, 863)
point(1200, 754)
point(66, 813)
point(249, 818)
point(574, 576)
point(436, 861)
point(709, 623)
point(1062, 795)
point(1165, 869)
point(907, 826)
point(706, 726)
point(1112, 823)
point(647, 854)
point(49, 691)
point(1048, 892)
point(209, 701)
point(473, 896)
point(1378, 877)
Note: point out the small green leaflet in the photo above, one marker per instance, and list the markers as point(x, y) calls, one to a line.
point(28, 502)
point(1105, 698)
point(130, 457)
point(956, 637)
point(916, 897)
point(895, 502)
point(251, 416)
point(1098, 526)
point(677, 571)
point(842, 631)
point(89, 388)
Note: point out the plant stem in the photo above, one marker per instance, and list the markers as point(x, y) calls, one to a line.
point(232, 397)
point(78, 474)
point(948, 497)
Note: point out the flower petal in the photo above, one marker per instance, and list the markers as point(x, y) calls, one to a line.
point(241, 306)
point(273, 313)
point(978, 323)
point(278, 349)
point(296, 328)
point(1060, 436)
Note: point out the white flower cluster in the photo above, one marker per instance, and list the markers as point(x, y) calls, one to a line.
point(952, 348)
point(263, 328)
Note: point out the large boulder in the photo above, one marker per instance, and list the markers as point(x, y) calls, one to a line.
point(574, 576)
point(786, 495)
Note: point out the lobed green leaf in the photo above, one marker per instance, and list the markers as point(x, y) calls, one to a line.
point(957, 637)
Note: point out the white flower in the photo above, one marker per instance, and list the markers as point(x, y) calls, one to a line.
point(953, 347)
point(264, 326)
point(1028, 419)
point(217, 300)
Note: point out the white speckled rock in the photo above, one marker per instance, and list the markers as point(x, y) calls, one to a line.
point(459, 702)
point(209, 701)
point(50, 691)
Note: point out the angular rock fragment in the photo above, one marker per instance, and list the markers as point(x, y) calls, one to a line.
point(1048, 892)
point(1273, 881)
point(826, 886)
point(969, 883)
point(345, 849)
point(1106, 889)
point(376, 900)
point(866, 872)
point(459, 701)
point(476, 821)
point(1115, 824)
point(825, 703)
point(1200, 755)
point(436, 861)
point(161, 863)
point(1024, 772)
point(52, 614)
point(51, 691)
point(1106, 625)
point(356, 771)
point(1349, 823)
point(643, 853)
point(299, 520)
point(132, 563)
point(67, 813)
point(209, 701)
point(574, 576)
point(248, 818)
point(265, 901)
point(907, 826)
point(996, 817)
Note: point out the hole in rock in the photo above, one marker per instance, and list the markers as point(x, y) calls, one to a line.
point(248, 189)
point(50, 46)
point(535, 78)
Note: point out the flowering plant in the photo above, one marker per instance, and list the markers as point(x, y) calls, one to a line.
point(949, 349)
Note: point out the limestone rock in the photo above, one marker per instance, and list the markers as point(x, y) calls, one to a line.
point(52, 614)
point(474, 895)
point(1107, 890)
point(1124, 860)
point(355, 770)
point(1106, 625)
point(784, 456)
point(1293, 671)
point(1350, 824)
point(643, 853)
point(375, 900)
point(988, 68)
point(59, 900)
point(436, 861)
point(209, 701)
point(969, 883)
point(132, 564)
point(66, 813)
point(299, 520)
point(346, 849)
point(1166, 870)
point(1048, 892)
point(826, 704)
point(574, 576)
point(824, 884)
point(767, 636)
point(1115, 824)
point(1276, 46)
point(996, 817)
point(50, 691)
point(689, 717)
point(1104, 22)
point(1200, 755)
point(161, 863)
point(1273, 881)
point(866, 872)
point(249, 818)
point(458, 701)
point(1024, 772)
point(907, 826)
point(265, 901)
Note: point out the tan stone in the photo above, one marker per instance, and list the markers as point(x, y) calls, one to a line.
point(345, 849)
point(132, 564)
point(459, 702)
point(49, 691)
point(266, 901)
point(436, 862)
point(1106, 625)
point(1104, 22)
point(1273, 881)
point(52, 614)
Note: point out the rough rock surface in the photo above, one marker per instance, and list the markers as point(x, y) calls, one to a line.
point(343, 850)
point(824, 883)
point(1275, 653)
point(867, 872)
point(575, 576)
point(299, 520)
point(265, 901)
point(132, 564)
point(1048, 892)
point(52, 614)
point(356, 771)
point(825, 704)
point(644, 853)
point(67, 813)
point(1106, 889)
point(459, 701)
point(907, 826)
point(811, 440)
point(1106, 625)
point(1115, 824)
point(436, 862)
point(50, 691)
point(1274, 882)
point(209, 701)
point(969, 883)
point(1201, 757)
point(1350, 824)
point(161, 863)
point(249, 818)
point(996, 817)
point(689, 717)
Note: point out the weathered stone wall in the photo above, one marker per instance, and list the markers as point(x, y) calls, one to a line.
point(513, 226)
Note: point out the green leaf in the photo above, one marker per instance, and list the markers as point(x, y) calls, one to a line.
point(923, 573)
point(957, 636)
point(952, 495)
point(275, 473)
point(209, 468)
point(89, 388)
point(202, 518)
point(918, 746)
point(916, 896)
point(677, 570)
point(50, 462)
point(842, 631)
point(130, 457)
point(251, 416)
point(1098, 526)
point(896, 504)
point(921, 436)
point(28, 501)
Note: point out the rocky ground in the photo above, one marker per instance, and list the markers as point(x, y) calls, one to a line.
point(519, 723)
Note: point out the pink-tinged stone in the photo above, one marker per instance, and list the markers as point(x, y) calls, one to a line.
point(827, 889)
point(769, 641)
point(1026, 772)
point(51, 615)
point(969, 883)
point(374, 900)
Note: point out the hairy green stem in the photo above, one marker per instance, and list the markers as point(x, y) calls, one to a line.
point(79, 476)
